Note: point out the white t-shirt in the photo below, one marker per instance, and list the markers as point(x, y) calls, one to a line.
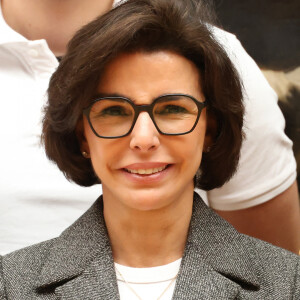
point(147, 283)
point(37, 202)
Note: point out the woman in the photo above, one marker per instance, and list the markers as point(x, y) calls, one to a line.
point(147, 102)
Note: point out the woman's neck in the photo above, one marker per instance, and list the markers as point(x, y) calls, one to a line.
point(53, 20)
point(148, 238)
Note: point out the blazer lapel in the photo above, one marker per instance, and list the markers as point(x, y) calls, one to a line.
point(198, 280)
point(218, 261)
point(80, 263)
point(97, 282)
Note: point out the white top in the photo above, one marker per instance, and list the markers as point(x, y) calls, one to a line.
point(37, 202)
point(147, 283)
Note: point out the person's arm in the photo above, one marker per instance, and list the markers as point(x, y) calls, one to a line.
point(52, 20)
point(261, 199)
point(276, 221)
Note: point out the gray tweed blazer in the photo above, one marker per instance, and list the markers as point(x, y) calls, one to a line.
point(218, 263)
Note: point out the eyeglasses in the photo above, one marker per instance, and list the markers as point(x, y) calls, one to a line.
point(115, 117)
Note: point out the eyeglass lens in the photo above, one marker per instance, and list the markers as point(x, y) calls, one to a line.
point(172, 115)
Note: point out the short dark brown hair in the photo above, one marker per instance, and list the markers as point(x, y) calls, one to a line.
point(180, 26)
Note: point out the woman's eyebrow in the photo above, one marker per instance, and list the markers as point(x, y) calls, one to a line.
point(103, 95)
point(169, 97)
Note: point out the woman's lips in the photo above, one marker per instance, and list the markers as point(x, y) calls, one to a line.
point(145, 165)
point(146, 173)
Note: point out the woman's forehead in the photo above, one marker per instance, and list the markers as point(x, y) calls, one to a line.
point(129, 62)
point(140, 74)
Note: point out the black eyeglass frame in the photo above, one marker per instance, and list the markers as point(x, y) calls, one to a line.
point(140, 108)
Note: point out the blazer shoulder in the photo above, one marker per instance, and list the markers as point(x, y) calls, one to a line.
point(280, 268)
point(21, 268)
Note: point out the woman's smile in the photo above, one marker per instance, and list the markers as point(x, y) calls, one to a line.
point(146, 168)
point(147, 172)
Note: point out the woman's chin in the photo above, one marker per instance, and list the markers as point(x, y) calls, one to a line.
point(146, 201)
point(151, 199)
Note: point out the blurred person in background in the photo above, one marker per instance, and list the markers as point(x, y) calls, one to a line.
point(33, 35)
point(260, 200)
point(262, 27)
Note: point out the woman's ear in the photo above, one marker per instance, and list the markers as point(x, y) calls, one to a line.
point(83, 144)
point(211, 130)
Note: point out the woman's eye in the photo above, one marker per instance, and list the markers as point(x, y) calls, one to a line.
point(114, 111)
point(172, 109)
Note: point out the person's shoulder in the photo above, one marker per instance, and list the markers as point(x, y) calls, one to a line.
point(23, 266)
point(274, 255)
point(280, 269)
point(29, 255)
point(27, 260)
point(234, 49)
point(228, 40)
point(26, 271)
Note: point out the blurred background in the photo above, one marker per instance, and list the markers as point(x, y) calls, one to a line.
point(270, 32)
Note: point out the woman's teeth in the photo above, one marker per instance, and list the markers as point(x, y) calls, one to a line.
point(146, 171)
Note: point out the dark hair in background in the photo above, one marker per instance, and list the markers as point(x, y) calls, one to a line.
point(180, 26)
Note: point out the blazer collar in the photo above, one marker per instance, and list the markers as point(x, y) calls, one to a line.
point(77, 257)
point(216, 263)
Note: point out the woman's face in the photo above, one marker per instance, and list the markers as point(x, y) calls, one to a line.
point(170, 162)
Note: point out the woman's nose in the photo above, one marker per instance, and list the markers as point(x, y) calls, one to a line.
point(144, 136)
